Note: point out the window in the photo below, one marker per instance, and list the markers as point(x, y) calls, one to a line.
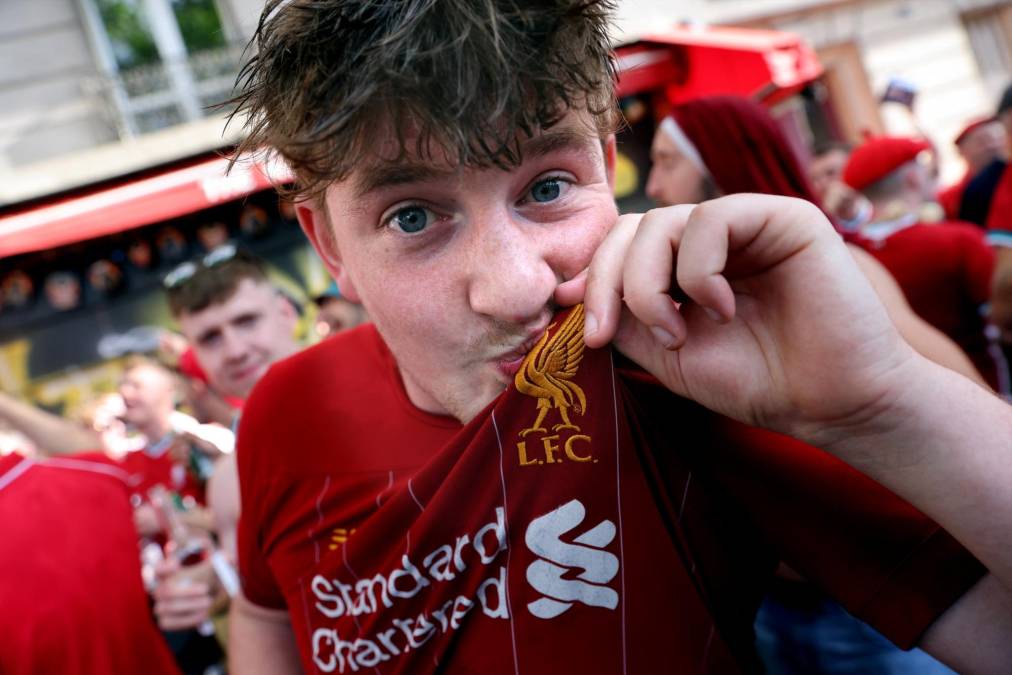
point(167, 61)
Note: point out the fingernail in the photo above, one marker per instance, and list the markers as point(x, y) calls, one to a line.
point(714, 314)
point(589, 324)
point(666, 339)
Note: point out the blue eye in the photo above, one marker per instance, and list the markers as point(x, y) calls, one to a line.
point(546, 190)
point(411, 219)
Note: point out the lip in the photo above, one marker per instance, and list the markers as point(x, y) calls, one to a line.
point(245, 373)
point(509, 363)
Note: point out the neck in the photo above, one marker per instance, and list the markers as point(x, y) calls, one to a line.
point(892, 209)
point(156, 430)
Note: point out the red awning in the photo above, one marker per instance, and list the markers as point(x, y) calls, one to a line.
point(686, 62)
point(145, 201)
point(693, 61)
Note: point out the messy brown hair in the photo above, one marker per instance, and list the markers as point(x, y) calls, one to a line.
point(472, 78)
point(216, 284)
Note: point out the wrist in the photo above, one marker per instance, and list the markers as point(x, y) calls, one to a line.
point(913, 425)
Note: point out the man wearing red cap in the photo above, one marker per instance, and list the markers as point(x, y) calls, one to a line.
point(980, 143)
point(999, 226)
point(944, 269)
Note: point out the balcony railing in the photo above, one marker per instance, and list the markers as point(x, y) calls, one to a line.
point(153, 97)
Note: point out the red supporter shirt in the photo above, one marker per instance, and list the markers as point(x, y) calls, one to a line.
point(999, 217)
point(147, 469)
point(951, 198)
point(530, 542)
point(945, 272)
point(72, 598)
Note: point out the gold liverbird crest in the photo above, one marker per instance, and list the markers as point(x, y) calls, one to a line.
point(548, 370)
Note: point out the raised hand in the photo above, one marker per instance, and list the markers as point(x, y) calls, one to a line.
point(776, 326)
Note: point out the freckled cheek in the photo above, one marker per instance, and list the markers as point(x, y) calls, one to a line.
point(412, 307)
point(577, 249)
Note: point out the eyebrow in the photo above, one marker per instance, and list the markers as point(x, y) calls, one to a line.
point(386, 175)
point(556, 140)
point(383, 175)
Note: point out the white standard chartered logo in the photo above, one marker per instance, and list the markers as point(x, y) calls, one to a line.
point(587, 554)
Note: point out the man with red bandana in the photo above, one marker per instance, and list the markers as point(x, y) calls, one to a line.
point(480, 482)
point(944, 269)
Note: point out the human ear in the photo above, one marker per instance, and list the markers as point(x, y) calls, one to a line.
point(315, 222)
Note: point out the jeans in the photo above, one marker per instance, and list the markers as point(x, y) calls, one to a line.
point(820, 638)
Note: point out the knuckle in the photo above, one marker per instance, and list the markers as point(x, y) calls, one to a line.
point(709, 210)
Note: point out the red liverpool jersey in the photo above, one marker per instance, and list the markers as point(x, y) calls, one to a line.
point(73, 602)
point(592, 522)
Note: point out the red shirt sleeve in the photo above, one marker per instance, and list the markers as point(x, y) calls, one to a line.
point(768, 497)
point(881, 558)
point(259, 585)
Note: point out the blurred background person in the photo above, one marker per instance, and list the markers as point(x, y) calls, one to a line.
point(981, 143)
point(335, 313)
point(729, 144)
point(826, 166)
point(73, 601)
point(999, 235)
point(104, 415)
point(238, 324)
point(51, 434)
point(945, 269)
point(825, 172)
point(987, 197)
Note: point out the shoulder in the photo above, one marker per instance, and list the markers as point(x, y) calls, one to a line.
point(967, 234)
point(302, 379)
point(303, 400)
point(356, 349)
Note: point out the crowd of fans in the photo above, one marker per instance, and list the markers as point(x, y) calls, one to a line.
point(165, 439)
point(123, 547)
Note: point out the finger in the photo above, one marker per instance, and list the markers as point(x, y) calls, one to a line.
point(183, 614)
point(758, 231)
point(165, 568)
point(170, 623)
point(571, 292)
point(648, 272)
point(603, 295)
point(179, 598)
point(181, 589)
point(701, 262)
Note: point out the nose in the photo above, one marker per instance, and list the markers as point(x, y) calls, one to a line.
point(233, 346)
point(653, 188)
point(509, 276)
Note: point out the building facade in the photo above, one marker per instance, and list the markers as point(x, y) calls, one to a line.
point(92, 89)
point(956, 55)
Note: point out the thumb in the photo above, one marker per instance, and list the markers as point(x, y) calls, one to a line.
point(166, 568)
point(637, 342)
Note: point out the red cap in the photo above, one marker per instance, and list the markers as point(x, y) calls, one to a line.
point(973, 126)
point(189, 366)
point(878, 157)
